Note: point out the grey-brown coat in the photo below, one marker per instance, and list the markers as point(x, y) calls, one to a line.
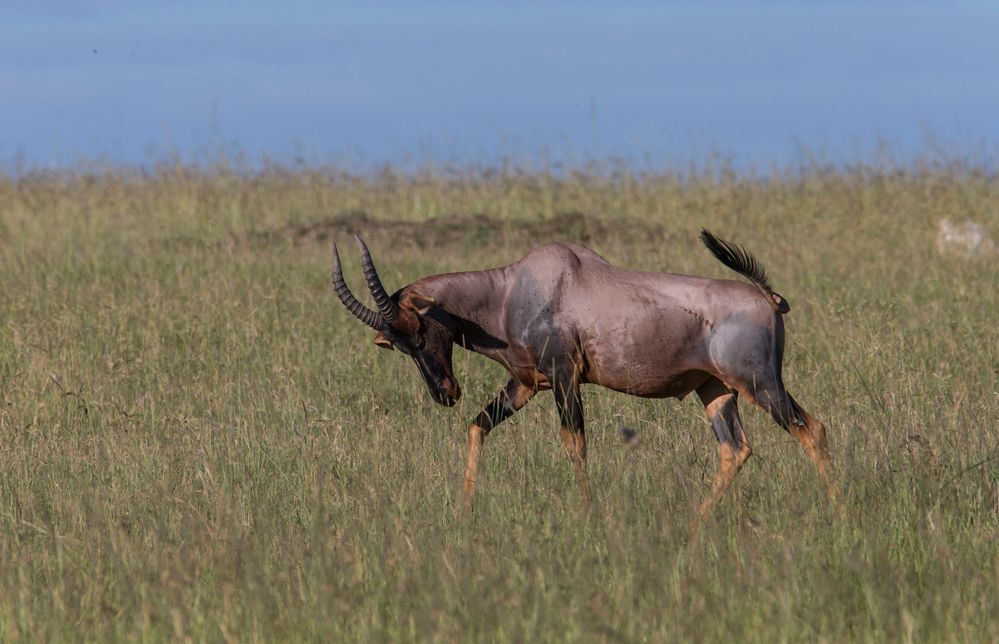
point(563, 316)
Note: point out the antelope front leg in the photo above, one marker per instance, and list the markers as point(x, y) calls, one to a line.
point(569, 402)
point(513, 397)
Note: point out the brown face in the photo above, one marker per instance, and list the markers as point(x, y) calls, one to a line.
point(424, 332)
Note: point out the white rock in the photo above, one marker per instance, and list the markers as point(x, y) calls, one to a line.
point(967, 238)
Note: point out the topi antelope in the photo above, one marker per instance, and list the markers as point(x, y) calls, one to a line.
point(563, 316)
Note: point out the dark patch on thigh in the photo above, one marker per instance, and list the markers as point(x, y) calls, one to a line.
point(745, 353)
point(727, 426)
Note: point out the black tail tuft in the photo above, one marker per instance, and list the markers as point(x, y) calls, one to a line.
point(741, 261)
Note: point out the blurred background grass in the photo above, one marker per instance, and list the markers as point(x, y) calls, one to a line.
point(200, 442)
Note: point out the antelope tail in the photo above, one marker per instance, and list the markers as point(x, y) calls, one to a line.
point(741, 261)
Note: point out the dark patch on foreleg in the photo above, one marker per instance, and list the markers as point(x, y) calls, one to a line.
point(513, 397)
point(569, 402)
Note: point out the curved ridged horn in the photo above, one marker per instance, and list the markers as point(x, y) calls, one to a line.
point(363, 313)
point(388, 308)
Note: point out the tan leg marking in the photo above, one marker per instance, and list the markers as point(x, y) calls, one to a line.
point(812, 436)
point(574, 444)
point(476, 439)
point(481, 426)
point(730, 461)
point(569, 402)
point(721, 406)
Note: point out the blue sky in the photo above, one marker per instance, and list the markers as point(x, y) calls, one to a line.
point(366, 83)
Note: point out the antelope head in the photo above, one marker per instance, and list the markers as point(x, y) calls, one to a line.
point(409, 321)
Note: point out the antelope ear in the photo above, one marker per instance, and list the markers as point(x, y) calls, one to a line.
point(418, 303)
point(383, 342)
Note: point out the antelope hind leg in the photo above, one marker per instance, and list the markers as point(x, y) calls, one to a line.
point(721, 407)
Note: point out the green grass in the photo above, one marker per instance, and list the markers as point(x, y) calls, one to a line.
point(199, 442)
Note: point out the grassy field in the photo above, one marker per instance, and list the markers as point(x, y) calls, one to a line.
point(199, 442)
